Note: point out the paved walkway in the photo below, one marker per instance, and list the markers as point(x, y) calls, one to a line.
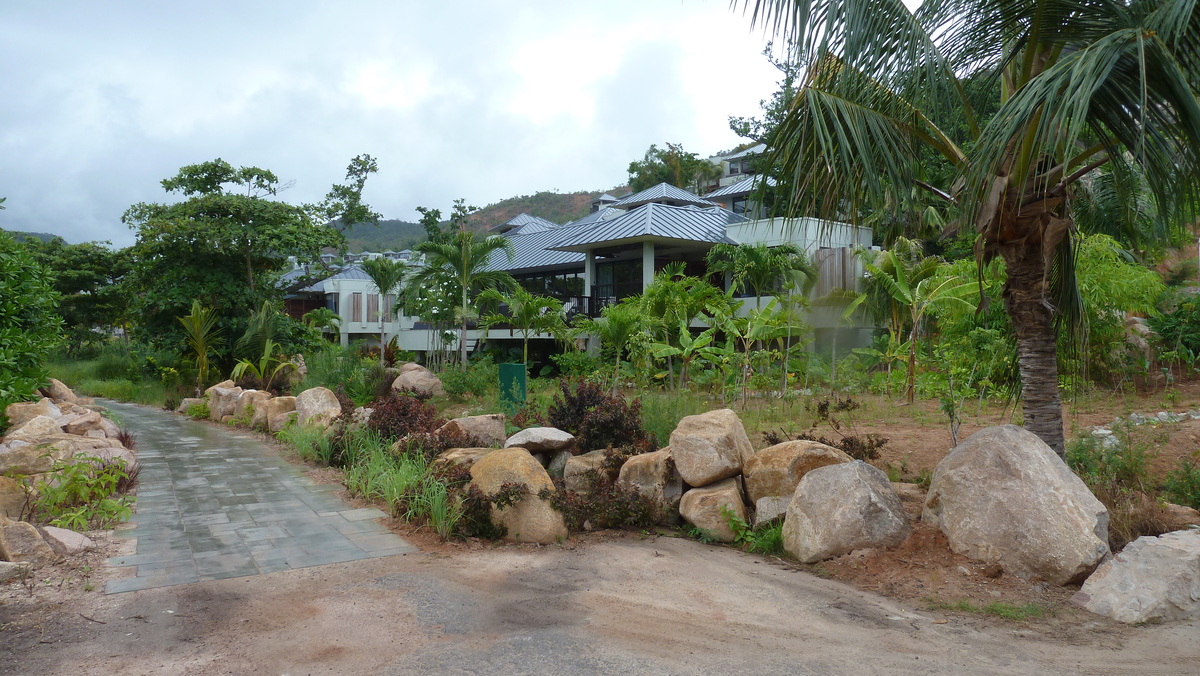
point(215, 503)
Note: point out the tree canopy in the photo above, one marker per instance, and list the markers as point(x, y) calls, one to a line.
point(672, 165)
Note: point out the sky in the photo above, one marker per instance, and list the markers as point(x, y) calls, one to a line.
point(470, 98)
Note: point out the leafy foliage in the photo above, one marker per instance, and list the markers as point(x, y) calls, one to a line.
point(598, 420)
point(28, 325)
point(400, 414)
point(609, 505)
point(672, 165)
point(86, 492)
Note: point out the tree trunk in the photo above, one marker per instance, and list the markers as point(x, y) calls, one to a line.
point(1026, 299)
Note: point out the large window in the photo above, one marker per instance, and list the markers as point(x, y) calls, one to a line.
point(372, 307)
point(619, 279)
point(356, 307)
point(389, 302)
point(557, 285)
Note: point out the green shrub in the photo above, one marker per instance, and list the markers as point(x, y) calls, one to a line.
point(482, 378)
point(1183, 483)
point(598, 420)
point(576, 364)
point(765, 539)
point(29, 327)
point(198, 410)
point(85, 492)
point(402, 413)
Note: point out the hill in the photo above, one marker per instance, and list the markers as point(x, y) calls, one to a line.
point(22, 236)
point(391, 234)
point(552, 206)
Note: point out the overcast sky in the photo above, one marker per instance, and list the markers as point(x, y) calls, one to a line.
point(474, 99)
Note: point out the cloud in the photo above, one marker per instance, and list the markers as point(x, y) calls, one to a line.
point(480, 100)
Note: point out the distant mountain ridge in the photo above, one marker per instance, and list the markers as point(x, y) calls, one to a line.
point(397, 235)
point(22, 236)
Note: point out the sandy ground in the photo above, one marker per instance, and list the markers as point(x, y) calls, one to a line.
point(614, 604)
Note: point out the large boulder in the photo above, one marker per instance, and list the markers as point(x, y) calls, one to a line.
point(542, 439)
point(33, 429)
point(188, 402)
point(653, 475)
point(531, 519)
point(1003, 496)
point(276, 408)
point(1153, 578)
point(839, 508)
point(708, 508)
point(463, 457)
point(317, 406)
point(581, 471)
point(66, 542)
point(20, 541)
point(222, 401)
point(82, 423)
point(252, 406)
point(283, 420)
point(710, 447)
point(484, 429)
point(417, 377)
point(769, 508)
point(12, 497)
point(227, 384)
point(21, 457)
point(59, 392)
point(775, 471)
point(21, 412)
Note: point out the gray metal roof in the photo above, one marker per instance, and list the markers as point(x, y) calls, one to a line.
point(653, 220)
point(605, 198)
point(525, 224)
point(663, 192)
point(599, 215)
point(757, 149)
point(348, 272)
point(743, 187)
point(532, 250)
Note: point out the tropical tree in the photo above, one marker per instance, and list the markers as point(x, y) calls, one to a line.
point(29, 327)
point(322, 318)
point(463, 260)
point(203, 337)
point(930, 294)
point(672, 165)
point(758, 268)
point(675, 299)
point(1081, 85)
point(688, 349)
point(528, 314)
point(616, 326)
point(386, 274)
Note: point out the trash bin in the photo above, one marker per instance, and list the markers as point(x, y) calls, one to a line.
point(512, 386)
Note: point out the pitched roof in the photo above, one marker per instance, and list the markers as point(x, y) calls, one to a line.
point(742, 187)
point(663, 192)
point(531, 250)
point(348, 272)
point(756, 149)
point(523, 223)
point(598, 215)
point(653, 220)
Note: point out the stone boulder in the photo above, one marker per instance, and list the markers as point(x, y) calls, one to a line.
point(465, 457)
point(226, 384)
point(10, 570)
point(317, 406)
point(417, 377)
point(66, 542)
point(109, 428)
point(187, 403)
point(542, 439)
point(842, 507)
point(12, 497)
point(22, 457)
point(21, 412)
point(33, 429)
point(276, 408)
point(775, 471)
point(82, 423)
point(707, 508)
point(771, 507)
point(222, 401)
point(1003, 496)
point(484, 429)
point(579, 473)
point(20, 541)
point(57, 391)
point(557, 467)
point(283, 420)
point(1153, 578)
point(252, 407)
point(653, 475)
point(531, 519)
point(710, 447)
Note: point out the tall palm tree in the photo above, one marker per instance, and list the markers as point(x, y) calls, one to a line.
point(616, 326)
point(757, 268)
point(464, 259)
point(528, 313)
point(386, 274)
point(1082, 84)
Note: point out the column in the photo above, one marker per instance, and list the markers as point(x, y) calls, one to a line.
point(647, 264)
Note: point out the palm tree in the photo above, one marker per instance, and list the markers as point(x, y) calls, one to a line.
point(386, 274)
point(757, 267)
point(204, 337)
point(464, 260)
point(528, 313)
point(1080, 85)
point(616, 326)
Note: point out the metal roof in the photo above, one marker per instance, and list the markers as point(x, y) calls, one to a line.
point(523, 223)
point(757, 149)
point(598, 215)
point(743, 187)
point(604, 198)
point(663, 192)
point(661, 221)
point(532, 250)
point(348, 272)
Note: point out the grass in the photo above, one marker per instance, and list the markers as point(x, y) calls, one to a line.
point(1007, 611)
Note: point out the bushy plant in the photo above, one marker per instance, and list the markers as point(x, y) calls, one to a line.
point(834, 413)
point(1183, 483)
point(610, 504)
point(198, 410)
point(597, 419)
point(576, 364)
point(481, 378)
point(29, 327)
point(765, 539)
point(86, 492)
point(399, 414)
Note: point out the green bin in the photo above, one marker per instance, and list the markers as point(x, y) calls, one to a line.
point(512, 386)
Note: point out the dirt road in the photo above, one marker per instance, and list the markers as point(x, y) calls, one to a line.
point(626, 605)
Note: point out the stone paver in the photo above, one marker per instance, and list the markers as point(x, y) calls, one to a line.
point(215, 503)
